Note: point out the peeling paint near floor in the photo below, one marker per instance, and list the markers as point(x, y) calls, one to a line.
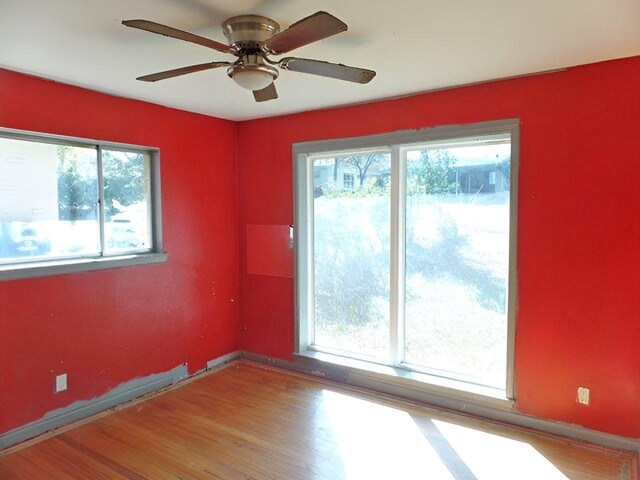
point(80, 409)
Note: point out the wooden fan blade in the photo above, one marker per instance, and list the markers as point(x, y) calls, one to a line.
point(267, 93)
point(308, 30)
point(154, 77)
point(327, 69)
point(179, 34)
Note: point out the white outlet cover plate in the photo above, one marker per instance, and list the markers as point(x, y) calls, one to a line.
point(61, 382)
point(583, 395)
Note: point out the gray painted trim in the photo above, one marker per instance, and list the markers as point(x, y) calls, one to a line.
point(64, 265)
point(298, 218)
point(67, 140)
point(85, 408)
point(403, 137)
point(310, 366)
point(223, 360)
point(303, 248)
point(512, 287)
point(44, 269)
point(121, 394)
point(408, 390)
point(156, 202)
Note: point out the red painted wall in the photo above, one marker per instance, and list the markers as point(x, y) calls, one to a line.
point(104, 328)
point(578, 255)
point(578, 230)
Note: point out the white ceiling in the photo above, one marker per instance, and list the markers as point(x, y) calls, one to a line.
point(414, 45)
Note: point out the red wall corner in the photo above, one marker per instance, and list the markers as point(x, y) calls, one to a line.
point(107, 327)
point(578, 255)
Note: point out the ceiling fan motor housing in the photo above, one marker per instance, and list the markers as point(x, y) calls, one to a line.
point(246, 32)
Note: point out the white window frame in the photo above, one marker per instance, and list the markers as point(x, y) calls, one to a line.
point(396, 143)
point(44, 267)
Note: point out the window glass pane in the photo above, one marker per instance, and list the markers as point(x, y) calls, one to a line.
point(48, 201)
point(351, 253)
point(126, 194)
point(457, 260)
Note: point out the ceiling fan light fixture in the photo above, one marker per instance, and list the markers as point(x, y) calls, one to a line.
point(253, 77)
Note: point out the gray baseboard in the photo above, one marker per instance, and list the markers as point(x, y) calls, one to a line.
point(338, 373)
point(85, 408)
point(228, 358)
point(123, 393)
point(377, 383)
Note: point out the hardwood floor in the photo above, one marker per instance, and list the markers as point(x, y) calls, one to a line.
point(247, 421)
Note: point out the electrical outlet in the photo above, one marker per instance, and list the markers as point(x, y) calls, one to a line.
point(61, 383)
point(583, 396)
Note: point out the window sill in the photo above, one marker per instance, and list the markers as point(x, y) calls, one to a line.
point(60, 267)
point(415, 385)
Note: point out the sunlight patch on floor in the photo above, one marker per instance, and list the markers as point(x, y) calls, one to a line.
point(494, 457)
point(379, 442)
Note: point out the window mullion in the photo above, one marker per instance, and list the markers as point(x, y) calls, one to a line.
point(101, 208)
point(402, 197)
point(397, 256)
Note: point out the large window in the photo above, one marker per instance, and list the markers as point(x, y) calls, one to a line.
point(414, 265)
point(65, 200)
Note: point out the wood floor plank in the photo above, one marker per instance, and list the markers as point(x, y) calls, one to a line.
point(251, 422)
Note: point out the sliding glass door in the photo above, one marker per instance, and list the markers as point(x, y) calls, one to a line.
point(457, 259)
point(406, 253)
point(351, 253)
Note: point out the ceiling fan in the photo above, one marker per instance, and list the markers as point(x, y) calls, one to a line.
point(253, 39)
